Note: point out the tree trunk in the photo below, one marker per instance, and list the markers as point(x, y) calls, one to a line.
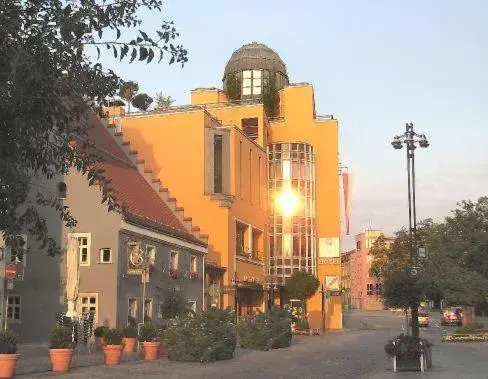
point(468, 315)
point(415, 321)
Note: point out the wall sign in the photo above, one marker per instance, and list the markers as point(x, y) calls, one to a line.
point(329, 247)
point(329, 261)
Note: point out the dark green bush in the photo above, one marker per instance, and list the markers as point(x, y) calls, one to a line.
point(8, 342)
point(203, 337)
point(265, 331)
point(129, 332)
point(303, 324)
point(100, 331)
point(113, 337)
point(148, 333)
point(469, 328)
point(407, 347)
point(61, 338)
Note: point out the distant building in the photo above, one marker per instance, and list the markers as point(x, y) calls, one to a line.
point(364, 290)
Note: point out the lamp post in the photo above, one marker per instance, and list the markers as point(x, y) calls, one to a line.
point(323, 291)
point(270, 286)
point(235, 282)
point(411, 140)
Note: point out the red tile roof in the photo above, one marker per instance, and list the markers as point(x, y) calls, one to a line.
point(142, 204)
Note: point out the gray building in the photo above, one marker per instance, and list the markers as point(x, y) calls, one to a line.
point(112, 250)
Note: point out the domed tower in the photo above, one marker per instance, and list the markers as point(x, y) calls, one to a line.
point(252, 70)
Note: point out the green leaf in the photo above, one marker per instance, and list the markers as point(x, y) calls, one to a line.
point(118, 33)
point(144, 35)
point(115, 51)
point(98, 52)
point(143, 53)
point(151, 56)
point(133, 55)
point(124, 51)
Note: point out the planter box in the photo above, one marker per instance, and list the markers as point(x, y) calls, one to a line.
point(465, 338)
point(419, 364)
point(306, 332)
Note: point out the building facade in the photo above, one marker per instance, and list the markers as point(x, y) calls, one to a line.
point(365, 289)
point(112, 250)
point(260, 171)
point(346, 277)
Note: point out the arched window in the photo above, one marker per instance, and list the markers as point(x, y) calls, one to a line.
point(62, 190)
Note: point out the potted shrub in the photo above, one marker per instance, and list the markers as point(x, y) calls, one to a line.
point(302, 326)
point(61, 348)
point(99, 336)
point(129, 337)
point(113, 348)
point(8, 353)
point(409, 353)
point(148, 336)
point(163, 349)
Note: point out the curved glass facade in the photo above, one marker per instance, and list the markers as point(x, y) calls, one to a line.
point(291, 190)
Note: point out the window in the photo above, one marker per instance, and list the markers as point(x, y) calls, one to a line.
point(192, 306)
point(14, 308)
point(358, 245)
point(148, 310)
point(174, 260)
point(84, 242)
point(217, 164)
point(106, 255)
point(240, 169)
point(132, 311)
point(62, 190)
point(193, 263)
point(378, 288)
point(251, 82)
point(88, 303)
point(250, 127)
point(369, 289)
point(250, 175)
point(151, 254)
point(241, 239)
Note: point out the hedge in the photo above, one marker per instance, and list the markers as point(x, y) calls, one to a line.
point(203, 337)
point(265, 331)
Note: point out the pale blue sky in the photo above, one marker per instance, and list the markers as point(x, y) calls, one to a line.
point(375, 65)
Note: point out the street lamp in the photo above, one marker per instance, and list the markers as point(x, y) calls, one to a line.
point(270, 286)
point(411, 140)
point(288, 201)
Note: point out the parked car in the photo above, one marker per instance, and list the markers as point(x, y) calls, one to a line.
point(452, 316)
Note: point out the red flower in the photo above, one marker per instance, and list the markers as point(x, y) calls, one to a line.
point(194, 275)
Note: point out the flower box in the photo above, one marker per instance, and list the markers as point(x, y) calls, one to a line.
point(194, 275)
point(409, 353)
point(174, 273)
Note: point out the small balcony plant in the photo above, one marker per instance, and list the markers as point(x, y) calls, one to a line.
point(61, 348)
point(113, 348)
point(194, 275)
point(173, 272)
point(129, 338)
point(148, 336)
point(8, 353)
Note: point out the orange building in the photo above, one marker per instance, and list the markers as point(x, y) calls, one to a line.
point(257, 169)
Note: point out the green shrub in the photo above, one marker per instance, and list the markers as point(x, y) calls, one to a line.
point(148, 333)
point(8, 342)
point(203, 337)
point(100, 331)
point(303, 324)
point(61, 338)
point(265, 331)
point(469, 328)
point(129, 332)
point(407, 347)
point(113, 337)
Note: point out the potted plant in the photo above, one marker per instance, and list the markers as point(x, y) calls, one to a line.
point(409, 353)
point(302, 326)
point(194, 275)
point(113, 348)
point(99, 336)
point(173, 273)
point(8, 353)
point(129, 334)
point(148, 336)
point(61, 348)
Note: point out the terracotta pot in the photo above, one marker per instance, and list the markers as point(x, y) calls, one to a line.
point(100, 342)
point(112, 354)
point(151, 350)
point(163, 349)
point(7, 365)
point(60, 359)
point(129, 344)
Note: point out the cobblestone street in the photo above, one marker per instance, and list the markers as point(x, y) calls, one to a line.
point(355, 352)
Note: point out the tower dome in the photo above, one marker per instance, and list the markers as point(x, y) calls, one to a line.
point(254, 56)
point(252, 68)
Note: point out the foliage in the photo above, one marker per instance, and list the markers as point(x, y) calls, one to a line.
point(100, 331)
point(8, 342)
point(380, 253)
point(469, 328)
point(61, 338)
point(402, 290)
point(148, 332)
point(233, 87)
point(113, 337)
point(265, 331)
point(163, 101)
point(271, 100)
point(129, 332)
point(50, 87)
point(407, 347)
point(142, 101)
point(204, 337)
point(132, 321)
point(302, 324)
point(128, 91)
point(301, 285)
point(173, 305)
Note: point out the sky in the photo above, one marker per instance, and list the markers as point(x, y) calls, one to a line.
point(374, 65)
